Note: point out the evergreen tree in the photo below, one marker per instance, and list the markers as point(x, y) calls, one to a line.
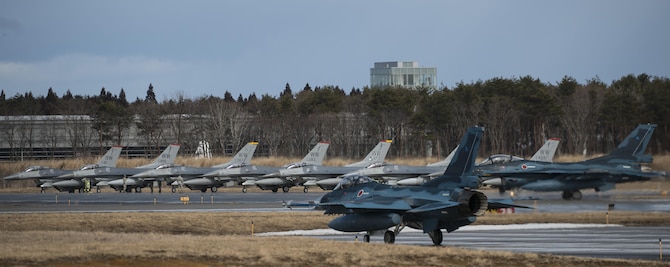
point(151, 96)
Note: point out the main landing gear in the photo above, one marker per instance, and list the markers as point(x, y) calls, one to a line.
point(572, 195)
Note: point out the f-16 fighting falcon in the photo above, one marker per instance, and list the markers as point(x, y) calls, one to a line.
point(103, 175)
point(447, 202)
point(190, 176)
point(44, 177)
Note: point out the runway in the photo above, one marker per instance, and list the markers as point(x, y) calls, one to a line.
point(602, 241)
point(583, 240)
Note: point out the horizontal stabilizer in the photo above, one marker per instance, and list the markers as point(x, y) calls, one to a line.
point(503, 204)
point(433, 207)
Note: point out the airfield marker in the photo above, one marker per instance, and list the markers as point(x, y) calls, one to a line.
point(252, 228)
point(212, 200)
point(660, 249)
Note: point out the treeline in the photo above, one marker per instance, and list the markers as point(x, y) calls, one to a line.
point(518, 113)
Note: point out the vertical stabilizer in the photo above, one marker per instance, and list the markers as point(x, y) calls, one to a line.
point(632, 148)
point(242, 157)
point(460, 169)
point(446, 161)
point(377, 155)
point(316, 155)
point(547, 151)
point(110, 158)
point(167, 157)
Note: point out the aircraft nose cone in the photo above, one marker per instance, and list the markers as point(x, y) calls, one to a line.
point(15, 176)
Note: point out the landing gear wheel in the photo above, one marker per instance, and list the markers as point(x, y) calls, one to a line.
point(203, 190)
point(41, 190)
point(174, 189)
point(567, 195)
point(274, 190)
point(577, 195)
point(138, 189)
point(366, 238)
point(436, 236)
point(389, 237)
point(244, 189)
point(305, 189)
point(285, 189)
point(97, 189)
point(213, 189)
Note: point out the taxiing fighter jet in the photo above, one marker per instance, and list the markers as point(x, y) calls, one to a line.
point(44, 177)
point(101, 176)
point(190, 176)
point(327, 177)
point(602, 173)
point(253, 174)
point(447, 202)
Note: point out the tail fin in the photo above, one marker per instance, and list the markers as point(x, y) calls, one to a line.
point(459, 172)
point(110, 158)
point(242, 157)
point(547, 151)
point(167, 157)
point(632, 148)
point(316, 155)
point(446, 161)
point(378, 154)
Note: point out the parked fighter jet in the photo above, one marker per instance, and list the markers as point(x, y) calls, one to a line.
point(44, 177)
point(250, 175)
point(327, 178)
point(189, 176)
point(447, 202)
point(602, 173)
point(100, 175)
point(416, 175)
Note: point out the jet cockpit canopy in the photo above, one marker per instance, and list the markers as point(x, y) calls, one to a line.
point(34, 168)
point(165, 166)
point(376, 165)
point(235, 166)
point(89, 167)
point(352, 180)
point(499, 159)
point(295, 165)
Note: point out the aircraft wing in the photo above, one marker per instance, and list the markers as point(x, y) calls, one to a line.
point(377, 204)
point(504, 203)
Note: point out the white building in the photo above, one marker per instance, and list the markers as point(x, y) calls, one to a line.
point(402, 73)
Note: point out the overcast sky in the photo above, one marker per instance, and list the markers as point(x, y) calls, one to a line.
point(196, 48)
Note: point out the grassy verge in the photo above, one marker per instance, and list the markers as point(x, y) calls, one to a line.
point(224, 239)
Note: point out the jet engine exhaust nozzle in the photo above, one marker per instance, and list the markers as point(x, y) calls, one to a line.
point(472, 203)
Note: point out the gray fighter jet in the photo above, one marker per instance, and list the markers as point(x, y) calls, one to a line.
point(404, 175)
point(44, 177)
point(100, 176)
point(447, 202)
point(189, 176)
point(602, 173)
point(327, 177)
point(264, 177)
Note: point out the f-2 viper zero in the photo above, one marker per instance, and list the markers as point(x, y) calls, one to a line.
point(447, 202)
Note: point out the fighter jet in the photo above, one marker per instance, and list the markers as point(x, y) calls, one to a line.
point(44, 177)
point(447, 202)
point(101, 176)
point(251, 174)
point(327, 177)
point(602, 173)
point(416, 175)
point(189, 176)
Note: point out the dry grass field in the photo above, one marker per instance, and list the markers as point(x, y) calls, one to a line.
point(224, 238)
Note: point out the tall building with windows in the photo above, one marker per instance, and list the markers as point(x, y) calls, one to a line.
point(402, 73)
